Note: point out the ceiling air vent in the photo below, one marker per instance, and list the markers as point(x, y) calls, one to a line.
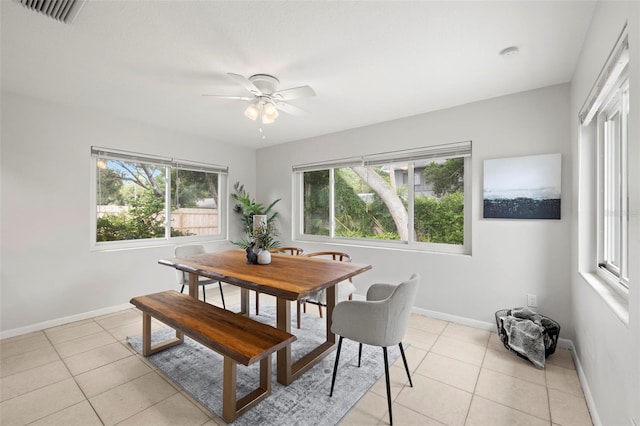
point(61, 10)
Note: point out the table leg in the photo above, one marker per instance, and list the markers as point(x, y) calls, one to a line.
point(331, 303)
point(283, 322)
point(287, 370)
point(244, 301)
point(193, 286)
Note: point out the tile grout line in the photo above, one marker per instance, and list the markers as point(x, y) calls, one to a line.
point(74, 380)
point(160, 374)
point(28, 369)
point(475, 386)
point(416, 372)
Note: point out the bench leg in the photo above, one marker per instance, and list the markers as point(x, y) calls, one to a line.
point(147, 349)
point(231, 407)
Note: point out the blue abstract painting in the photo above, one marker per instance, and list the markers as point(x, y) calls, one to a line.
point(523, 187)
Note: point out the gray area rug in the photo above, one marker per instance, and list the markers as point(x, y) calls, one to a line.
point(198, 370)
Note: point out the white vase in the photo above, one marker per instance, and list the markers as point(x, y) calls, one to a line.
point(264, 257)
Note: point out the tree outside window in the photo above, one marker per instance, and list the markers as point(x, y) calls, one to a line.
point(373, 202)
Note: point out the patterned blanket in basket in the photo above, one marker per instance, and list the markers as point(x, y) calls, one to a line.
point(524, 332)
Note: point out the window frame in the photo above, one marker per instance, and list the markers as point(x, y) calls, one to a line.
point(456, 150)
point(98, 153)
point(613, 76)
point(616, 103)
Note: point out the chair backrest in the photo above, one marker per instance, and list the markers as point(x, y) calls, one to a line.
point(382, 319)
point(399, 307)
point(294, 251)
point(184, 251)
point(334, 255)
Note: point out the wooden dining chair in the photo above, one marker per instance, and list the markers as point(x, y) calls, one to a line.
point(293, 251)
point(344, 289)
point(183, 277)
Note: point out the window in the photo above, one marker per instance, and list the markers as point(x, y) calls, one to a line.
point(140, 197)
point(369, 201)
point(608, 106)
point(613, 180)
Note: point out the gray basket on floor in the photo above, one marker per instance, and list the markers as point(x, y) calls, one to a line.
point(550, 335)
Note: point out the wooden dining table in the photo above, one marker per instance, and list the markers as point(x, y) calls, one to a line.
point(288, 278)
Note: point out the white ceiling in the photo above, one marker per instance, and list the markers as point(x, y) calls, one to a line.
point(368, 62)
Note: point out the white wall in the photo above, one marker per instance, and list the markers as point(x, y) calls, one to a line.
point(48, 271)
point(608, 348)
point(510, 257)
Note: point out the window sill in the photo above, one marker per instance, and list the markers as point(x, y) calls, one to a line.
point(151, 243)
point(618, 303)
point(388, 245)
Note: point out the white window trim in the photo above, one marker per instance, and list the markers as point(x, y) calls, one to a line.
point(223, 186)
point(620, 284)
point(461, 149)
point(604, 283)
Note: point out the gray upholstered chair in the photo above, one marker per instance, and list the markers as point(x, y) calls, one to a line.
point(183, 277)
point(381, 320)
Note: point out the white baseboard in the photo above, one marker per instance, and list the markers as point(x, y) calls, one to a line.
point(483, 325)
point(595, 418)
point(61, 321)
point(66, 320)
point(489, 326)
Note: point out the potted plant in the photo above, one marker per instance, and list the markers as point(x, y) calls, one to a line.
point(246, 208)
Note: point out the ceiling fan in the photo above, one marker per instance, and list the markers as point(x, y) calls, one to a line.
point(266, 98)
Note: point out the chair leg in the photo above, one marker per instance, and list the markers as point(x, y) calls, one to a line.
point(182, 289)
point(298, 314)
point(222, 295)
point(359, 354)
point(320, 309)
point(406, 366)
point(335, 366)
point(386, 375)
point(257, 302)
point(204, 294)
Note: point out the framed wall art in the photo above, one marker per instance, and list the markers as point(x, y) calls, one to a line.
point(523, 187)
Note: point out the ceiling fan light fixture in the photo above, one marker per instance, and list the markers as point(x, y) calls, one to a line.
point(269, 112)
point(266, 99)
point(252, 112)
point(267, 120)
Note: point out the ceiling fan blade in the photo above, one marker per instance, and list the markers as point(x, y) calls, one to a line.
point(294, 93)
point(244, 82)
point(290, 109)
point(239, 98)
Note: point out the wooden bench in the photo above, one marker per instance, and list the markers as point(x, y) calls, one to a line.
point(237, 338)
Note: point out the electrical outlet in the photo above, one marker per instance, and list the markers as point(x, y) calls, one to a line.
point(532, 301)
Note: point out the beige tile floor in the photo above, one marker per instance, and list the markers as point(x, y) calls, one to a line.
point(84, 373)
